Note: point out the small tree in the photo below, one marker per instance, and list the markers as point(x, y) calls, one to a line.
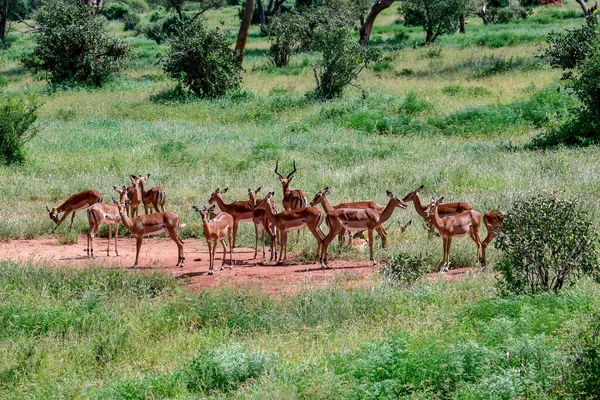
point(202, 61)
point(437, 17)
point(73, 47)
point(17, 126)
point(286, 34)
point(547, 243)
point(343, 57)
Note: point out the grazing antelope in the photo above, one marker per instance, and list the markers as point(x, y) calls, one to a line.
point(152, 224)
point(291, 220)
point(443, 209)
point(492, 220)
point(292, 199)
point(321, 198)
point(451, 226)
point(152, 198)
point(241, 211)
point(77, 202)
point(259, 217)
point(99, 214)
point(215, 231)
point(353, 219)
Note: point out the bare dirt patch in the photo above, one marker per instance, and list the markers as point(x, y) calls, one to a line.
point(161, 254)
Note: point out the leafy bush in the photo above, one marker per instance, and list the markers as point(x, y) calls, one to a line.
point(403, 268)
point(131, 21)
point(160, 29)
point(17, 119)
point(343, 57)
point(74, 47)
point(547, 243)
point(114, 11)
point(583, 372)
point(225, 369)
point(202, 61)
point(285, 32)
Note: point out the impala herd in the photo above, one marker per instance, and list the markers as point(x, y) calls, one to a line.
point(448, 219)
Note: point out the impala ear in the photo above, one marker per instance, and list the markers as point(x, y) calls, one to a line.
point(419, 188)
point(114, 201)
point(47, 209)
point(225, 190)
point(409, 222)
point(390, 194)
point(326, 190)
point(249, 190)
point(212, 207)
point(258, 190)
point(440, 200)
point(147, 176)
point(132, 177)
point(124, 187)
point(195, 208)
point(114, 187)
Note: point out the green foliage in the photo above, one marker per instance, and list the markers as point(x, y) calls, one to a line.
point(343, 58)
point(202, 61)
point(547, 243)
point(74, 48)
point(114, 11)
point(225, 369)
point(161, 28)
point(17, 118)
point(583, 360)
point(403, 268)
point(286, 33)
point(437, 17)
point(131, 21)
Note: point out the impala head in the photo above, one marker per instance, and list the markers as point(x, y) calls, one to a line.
point(396, 200)
point(144, 178)
point(433, 203)
point(121, 206)
point(135, 181)
point(319, 197)
point(403, 228)
point(122, 193)
point(252, 195)
point(267, 201)
point(285, 181)
point(206, 213)
point(53, 214)
point(217, 195)
point(413, 195)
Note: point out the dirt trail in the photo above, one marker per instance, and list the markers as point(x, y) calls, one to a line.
point(161, 254)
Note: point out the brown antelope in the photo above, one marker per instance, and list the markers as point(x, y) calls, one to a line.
point(353, 219)
point(291, 220)
point(152, 198)
point(492, 220)
point(99, 214)
point(443, 209)
point(321, 198)
point(135, 196)
point(77, 202)
point(259, 217)
point(292, 199)
point(152, 224)
point(215, 231)
point(451, 226)
point(241, 211)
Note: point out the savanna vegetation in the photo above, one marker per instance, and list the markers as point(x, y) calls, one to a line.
point(485, 116)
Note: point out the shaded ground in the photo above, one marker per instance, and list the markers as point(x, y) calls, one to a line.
point(162, 254)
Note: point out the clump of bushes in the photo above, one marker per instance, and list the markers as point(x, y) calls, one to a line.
point(547, 244)
point(403, 269)
point(74, 47)
point(114, 11)
point(285, 33)
point(202, 61)
point(17, 126)
point(131, 22)
point(583, 372)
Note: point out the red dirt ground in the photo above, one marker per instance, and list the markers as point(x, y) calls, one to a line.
point(161, 254)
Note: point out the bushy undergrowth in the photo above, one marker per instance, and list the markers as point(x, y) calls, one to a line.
point(17, 118)
point(404, 268)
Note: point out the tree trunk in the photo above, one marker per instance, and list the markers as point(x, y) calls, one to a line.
point(3, 18)
point(587, 11)
point(367, 27)
point(461, 21)
point(240, 45)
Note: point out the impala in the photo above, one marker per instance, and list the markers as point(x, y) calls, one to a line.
point(215, 231)
point(292, 199)
point(135, 196)
point(443, 209)
point(492, 220)
point(241, 211)
point(77, 202)
point(259, 217)
point(451, 226)
point(152, 224)
point(321, 198)
point(99, 214)
point(353, 219)
point(404, 227)
point(152, 198)
point(292, 220)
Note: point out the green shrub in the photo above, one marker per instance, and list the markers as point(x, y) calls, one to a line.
point(453, 90)
point(131, 21)
point(583, 358)
point(161, 28)
point(403, 268)
point(547, 243)
point(225, 369)
point(114, 11)
point(285, 33)
point(202, 61)
point(75, 48)
point(17, 118)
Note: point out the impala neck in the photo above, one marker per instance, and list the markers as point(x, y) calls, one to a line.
point(142, 186)
point(418, 205)
point(435, 218)
point(221, 203)
point(286, 187)
point(125, 220)
point(327, 205)
point(387, 211)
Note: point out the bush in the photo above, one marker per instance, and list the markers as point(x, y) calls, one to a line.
point(285, 33)
point(343, 57)
point(131, 22)
point(224, 369)
point(74, 47)
point(547, 243)
point(583, 368)
point(202, 61)
point(160, 29)
point(114, 11)
point(403, 269)
point(17, 119)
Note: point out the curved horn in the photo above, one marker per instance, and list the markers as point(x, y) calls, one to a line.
point(292, 173)
point(276, 166)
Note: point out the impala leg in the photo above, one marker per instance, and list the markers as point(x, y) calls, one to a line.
point(282, 245)
point(72, 219)
point(230, 250)
point(235, 230)
point(138, 246)
point(383, 233)
point(210, 257)
point(175, 237)
point(90, 249)
point(214, 248)
point(116, 239)
point(65, 214)
point(263, 242)
point(371, 247)
point(447, 253)
point(334, 230)
point(477, 241)
point(317, 235)
point(109, 239)
point(255, 240)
